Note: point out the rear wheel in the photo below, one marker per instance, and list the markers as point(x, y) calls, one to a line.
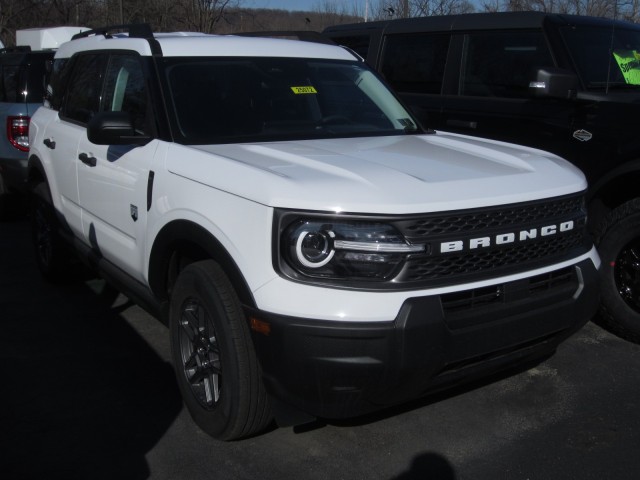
point(618, 242)
point(52, 256)
point(216, 366)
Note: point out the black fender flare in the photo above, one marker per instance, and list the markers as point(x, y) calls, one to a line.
point(193, 240)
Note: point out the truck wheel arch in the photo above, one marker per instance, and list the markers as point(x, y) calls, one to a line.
point(182, 242)
point(612, 190)
point(36, 172)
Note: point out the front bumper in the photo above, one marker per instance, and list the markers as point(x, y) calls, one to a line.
point(339, 369)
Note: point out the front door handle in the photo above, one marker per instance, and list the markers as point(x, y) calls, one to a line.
point(87, 160)
point(49, 143)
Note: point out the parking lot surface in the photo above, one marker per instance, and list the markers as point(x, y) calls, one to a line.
point(88, 392)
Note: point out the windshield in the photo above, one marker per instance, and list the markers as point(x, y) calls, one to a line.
point(226, 100)
point(606, 57)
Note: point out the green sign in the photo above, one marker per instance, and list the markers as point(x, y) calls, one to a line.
point(629, 64)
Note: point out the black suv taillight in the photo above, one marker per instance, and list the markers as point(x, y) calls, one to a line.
point(18, 132)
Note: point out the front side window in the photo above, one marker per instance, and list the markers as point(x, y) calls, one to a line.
point(124, 89)
point(227, 100)
point(502, 64)
point(605, 57)
point(414, 63)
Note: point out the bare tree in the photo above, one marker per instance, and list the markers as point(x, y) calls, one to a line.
point(202, 15)
point(441, 7)
point(419, 8)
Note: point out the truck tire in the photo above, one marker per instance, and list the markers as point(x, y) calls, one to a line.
point(216, 365)
point(618, 241)
point(52, 256)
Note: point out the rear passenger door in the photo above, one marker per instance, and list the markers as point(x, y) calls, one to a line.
point(113, 179)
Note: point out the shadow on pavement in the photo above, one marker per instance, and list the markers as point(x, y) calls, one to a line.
point(83, 395)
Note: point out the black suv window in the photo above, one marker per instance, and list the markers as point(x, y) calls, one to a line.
point(85, 85)
point(501, 64)
point(605, 56)
point(359, 43)
point(415, 63)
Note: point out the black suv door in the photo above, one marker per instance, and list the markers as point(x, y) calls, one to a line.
point(485, 88)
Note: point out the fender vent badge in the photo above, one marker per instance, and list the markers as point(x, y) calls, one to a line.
point(582, 135)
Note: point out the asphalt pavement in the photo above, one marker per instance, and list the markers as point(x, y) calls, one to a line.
point(88, 392)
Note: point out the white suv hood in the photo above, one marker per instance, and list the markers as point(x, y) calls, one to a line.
point(398, 174)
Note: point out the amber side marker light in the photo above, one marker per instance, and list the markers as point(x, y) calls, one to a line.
point(260, 326)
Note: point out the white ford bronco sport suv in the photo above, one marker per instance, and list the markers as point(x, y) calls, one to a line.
point(315, 252)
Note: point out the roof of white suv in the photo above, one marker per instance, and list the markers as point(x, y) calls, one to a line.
point(181, 44)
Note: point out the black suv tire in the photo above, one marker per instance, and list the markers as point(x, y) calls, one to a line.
point(618, 240)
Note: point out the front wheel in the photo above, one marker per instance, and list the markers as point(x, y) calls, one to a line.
point(618, 241)
point(216, 366)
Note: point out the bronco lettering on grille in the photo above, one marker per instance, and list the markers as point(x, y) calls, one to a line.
point(506, 238)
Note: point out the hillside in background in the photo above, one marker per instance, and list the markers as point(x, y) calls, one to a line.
point(164, 16)
point(246, 20)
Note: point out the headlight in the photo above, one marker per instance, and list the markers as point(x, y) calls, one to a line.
point(340, 249)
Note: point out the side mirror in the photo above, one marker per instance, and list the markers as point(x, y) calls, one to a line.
point(114, 128)
point(552, 82)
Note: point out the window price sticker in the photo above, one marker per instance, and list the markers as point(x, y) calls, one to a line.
point(303, 90)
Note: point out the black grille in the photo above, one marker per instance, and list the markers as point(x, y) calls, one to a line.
point(417, 229)
point(436, 268)
point(428, 268)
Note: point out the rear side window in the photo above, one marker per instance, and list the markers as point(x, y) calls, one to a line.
point(85, 83)
point(59, 77)
point(501, 64)
point(414, 63)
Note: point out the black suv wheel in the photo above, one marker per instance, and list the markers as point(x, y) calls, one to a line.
point(619, 246)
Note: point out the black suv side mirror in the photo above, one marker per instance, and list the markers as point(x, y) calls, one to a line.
point(553, 82)
point(114, 128)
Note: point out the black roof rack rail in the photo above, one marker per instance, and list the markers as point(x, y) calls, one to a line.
point(304, 35)
point(135, 30)
point(18, 49)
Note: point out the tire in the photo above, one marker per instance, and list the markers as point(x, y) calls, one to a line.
point(52, 255)
point(216, 365)
point(618, 241)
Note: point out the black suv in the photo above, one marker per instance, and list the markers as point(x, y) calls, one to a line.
point(567, 84)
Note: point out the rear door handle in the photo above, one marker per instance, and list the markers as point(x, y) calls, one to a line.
point(87, 160)
point(49, 143)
